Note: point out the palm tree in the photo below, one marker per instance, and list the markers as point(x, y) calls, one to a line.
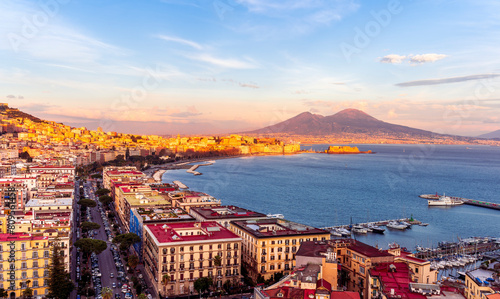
point(3, 293)
point(107, 293)
point(165, 279)
point(217, 260)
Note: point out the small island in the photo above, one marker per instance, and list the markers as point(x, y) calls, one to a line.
point(335, 149)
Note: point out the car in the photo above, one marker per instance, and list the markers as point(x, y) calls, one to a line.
point(114, 285)
point(111, 275)
point(140, 275)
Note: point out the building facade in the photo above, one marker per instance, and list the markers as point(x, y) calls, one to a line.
point(184, 252)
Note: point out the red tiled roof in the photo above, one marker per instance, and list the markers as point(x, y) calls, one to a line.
point(19, 237)
point(345, 295)
point(325, 284)
point(166, 233)
point(396, 276)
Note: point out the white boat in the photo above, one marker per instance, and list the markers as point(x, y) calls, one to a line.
point(396, 225)
point(335, 233)
point(445, 201)
point(376, 229)
point(279, 216)
point(344, 232)
point(358, 229)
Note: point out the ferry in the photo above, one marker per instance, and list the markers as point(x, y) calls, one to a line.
point(445, 201)
point(279, 216)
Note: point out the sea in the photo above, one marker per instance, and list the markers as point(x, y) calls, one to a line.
point(325, 190)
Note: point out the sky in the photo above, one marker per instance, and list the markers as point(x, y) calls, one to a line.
point(220, 66)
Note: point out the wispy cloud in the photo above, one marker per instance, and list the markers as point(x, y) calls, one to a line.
point(392, 58)
point(423, 58)
point(224, 62)
point(414, 59)
point(180, 41)
point(447, 80)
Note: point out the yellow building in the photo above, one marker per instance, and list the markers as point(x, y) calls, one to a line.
point(269, 244)
point(187, 251)
point(421, 269)
point(24, 257)
point(356, 259)
point(477, 284)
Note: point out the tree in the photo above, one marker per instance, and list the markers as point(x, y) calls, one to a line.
point(88, 246)
point(105, 199)
point(60, 284)
point(87, 203)
point(217, 260)
point(102, 191)
point(3, 293)
point(125, 240)
point(27, 292)
point(142, 296)
point(26, 156)
point(107, 293)
point(133, 261)
point(86, 226)
point(202, 284)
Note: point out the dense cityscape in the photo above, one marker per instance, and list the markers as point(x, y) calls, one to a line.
point(85, 214)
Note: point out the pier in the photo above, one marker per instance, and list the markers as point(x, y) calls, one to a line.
point(460, 248)
point(467, 201)
point(378, 223)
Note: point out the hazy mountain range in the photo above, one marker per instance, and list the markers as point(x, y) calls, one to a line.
point(346, 121)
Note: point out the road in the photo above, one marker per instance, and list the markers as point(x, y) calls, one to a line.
point(106, 261)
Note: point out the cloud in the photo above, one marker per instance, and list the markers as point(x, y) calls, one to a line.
point(446, 80)
point(414, 59)
point(230, 63)
point(248, 85)
point(392, 58)
point(423, 58)
point(180, 41)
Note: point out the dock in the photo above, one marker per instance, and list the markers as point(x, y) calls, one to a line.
point(180, 185)
point(378, 223)
point(467, 201)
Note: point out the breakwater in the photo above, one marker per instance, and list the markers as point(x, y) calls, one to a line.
point(466, 201)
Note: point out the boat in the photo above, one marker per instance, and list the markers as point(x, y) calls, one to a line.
point(336, 233)
point(358, 229)
point(423, 224)
point(376, 229)
point(405, 223)
point(344, 232)
point(396, 225)
point(445, 201)
point(279, 216)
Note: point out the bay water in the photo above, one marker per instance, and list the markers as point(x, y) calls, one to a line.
point(325, 190)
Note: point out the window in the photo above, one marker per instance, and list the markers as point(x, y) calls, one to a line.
point(35, 274)
point(35, 283)
point(201, 248)
point(24, 265)
point(191, 248)
point(35, 254)
point(24, 275)
point(46, 254)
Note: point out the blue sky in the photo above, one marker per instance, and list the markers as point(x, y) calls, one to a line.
point(215, 66)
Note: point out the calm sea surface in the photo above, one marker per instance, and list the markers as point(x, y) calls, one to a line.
point(324, 190)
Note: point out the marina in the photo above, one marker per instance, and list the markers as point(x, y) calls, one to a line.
point(373, 227)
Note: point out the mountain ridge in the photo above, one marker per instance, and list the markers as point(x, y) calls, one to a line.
point(346, 121)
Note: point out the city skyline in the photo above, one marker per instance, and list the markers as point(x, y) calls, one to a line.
point(162, 67)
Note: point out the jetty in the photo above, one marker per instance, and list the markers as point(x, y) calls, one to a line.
point(411, 221)
point(464, 247)
point(180, 184)
point(194, 167)
point(467, 201)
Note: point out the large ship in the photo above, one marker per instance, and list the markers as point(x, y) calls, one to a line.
point(445, 201)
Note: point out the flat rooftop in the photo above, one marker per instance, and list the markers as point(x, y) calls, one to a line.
point(154, 214)
point(40, 202)
point(190, 232)
point(269, 228)
point(226, 212)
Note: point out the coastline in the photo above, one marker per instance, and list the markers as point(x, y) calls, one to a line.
point(157, 171)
